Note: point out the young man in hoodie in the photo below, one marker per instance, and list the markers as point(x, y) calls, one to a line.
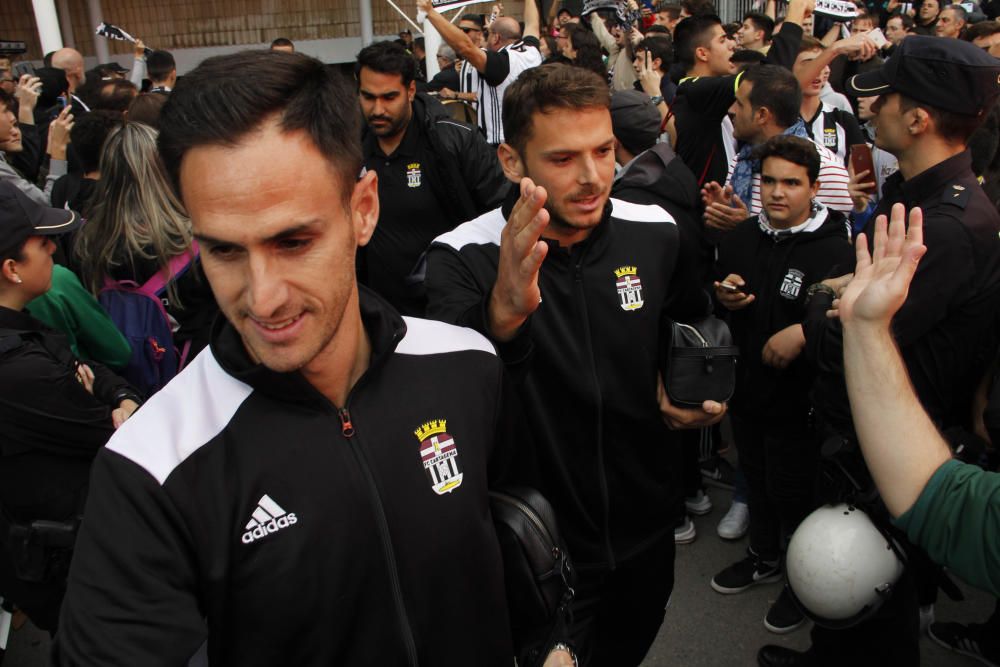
point(763, 267)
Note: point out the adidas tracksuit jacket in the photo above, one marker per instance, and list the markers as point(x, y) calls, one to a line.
point(586, 365)
point(240, 506)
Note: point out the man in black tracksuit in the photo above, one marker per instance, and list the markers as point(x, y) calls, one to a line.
point(579, 296)
point(774, 257)
point(434, 173)
point(312, 489)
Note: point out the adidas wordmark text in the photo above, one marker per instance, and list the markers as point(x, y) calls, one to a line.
point(268, 518)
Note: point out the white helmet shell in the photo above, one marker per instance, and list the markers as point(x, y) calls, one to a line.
point(839, 566)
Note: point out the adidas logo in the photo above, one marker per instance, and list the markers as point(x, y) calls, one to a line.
point(266, 519)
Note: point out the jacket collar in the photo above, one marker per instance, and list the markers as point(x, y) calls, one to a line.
point(927, 184)
point(385, 328)
point(19, 320)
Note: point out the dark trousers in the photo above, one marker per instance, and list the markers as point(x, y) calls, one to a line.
point(617, 613)
point(780, 461)
point(891, 637)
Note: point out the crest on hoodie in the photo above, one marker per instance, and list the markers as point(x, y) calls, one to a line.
point(439, 456)
point(413, 174)
point(629, 287)
point(791, 285)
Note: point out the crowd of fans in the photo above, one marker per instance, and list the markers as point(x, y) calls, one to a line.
point(568, 186)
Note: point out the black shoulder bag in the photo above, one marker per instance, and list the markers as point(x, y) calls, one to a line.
point(702, 363)
point(538, 573)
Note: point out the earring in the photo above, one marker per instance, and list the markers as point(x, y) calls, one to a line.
point(17, 279)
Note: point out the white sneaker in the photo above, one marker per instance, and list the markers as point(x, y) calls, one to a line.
point(684, 533)
point(734, 525)
point(698, 504)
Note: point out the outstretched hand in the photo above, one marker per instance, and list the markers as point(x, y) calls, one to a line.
point(516, 294)
point(882, 280)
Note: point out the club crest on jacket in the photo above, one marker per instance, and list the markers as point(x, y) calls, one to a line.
point(629, 287)
point(439, 455)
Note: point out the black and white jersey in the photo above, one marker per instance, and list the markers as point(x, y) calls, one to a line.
point(836, 130)
point(241, 506)
point(502, 69)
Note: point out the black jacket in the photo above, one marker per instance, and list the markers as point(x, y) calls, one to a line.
point(777, 271)
point(465, 174)
point(586, 363)
point(946, 328)
point(51, 426)
point(239, 506)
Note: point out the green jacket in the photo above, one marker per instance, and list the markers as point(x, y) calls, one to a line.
point(69, 308)
point(956, 520)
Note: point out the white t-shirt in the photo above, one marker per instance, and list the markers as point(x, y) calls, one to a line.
point(832, 183)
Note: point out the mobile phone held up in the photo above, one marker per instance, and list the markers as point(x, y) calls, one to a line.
point(861, 160)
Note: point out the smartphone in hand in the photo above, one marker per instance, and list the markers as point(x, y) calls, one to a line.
point(861, 160)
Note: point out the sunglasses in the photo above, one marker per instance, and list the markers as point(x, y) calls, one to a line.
point(468, 30)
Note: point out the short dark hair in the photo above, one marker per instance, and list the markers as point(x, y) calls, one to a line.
point(90, 131)
point(744, 57)
point(475, 18)
point(794, 149)
point(954, 127)
point(146, 108)
point(116, 95)
point(282, 41)
point(690, 34)
point(159, 65)
point(211, 107)
point(545, 88)
point(775, 88)
point(672, 10)
point(387, 58)
point(981, 29)
point(761, 22)
point(8, 101)
point(908, 23)
point(699, 7)
point(657, 29)
point(658, 46)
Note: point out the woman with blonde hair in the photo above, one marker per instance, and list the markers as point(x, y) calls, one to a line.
point(139, 231)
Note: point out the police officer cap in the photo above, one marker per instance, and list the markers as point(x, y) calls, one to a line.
point(944, 73)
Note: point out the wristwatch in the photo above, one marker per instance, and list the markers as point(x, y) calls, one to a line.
point(560, 646)
point(819, 288)
point(656, 99)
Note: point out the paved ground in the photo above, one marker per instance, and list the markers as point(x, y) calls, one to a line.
point(702, 628)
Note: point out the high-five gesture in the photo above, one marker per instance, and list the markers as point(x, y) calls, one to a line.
point(516, 295)
point(882, 279)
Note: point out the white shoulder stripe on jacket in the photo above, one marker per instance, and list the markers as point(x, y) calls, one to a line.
point(433, 337)
point(182, 417)
point(486, 229)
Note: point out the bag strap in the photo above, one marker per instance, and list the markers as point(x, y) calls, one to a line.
point(175, 267)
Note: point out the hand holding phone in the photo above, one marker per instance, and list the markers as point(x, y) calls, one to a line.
point(862, 161)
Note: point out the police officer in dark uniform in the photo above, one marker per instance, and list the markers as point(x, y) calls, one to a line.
point(933, 93)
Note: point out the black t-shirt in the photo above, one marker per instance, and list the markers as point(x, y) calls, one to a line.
point(410, 217)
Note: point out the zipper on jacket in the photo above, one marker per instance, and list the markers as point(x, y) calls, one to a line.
point(348, 431)
point(346, 427)
point(602, 475)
